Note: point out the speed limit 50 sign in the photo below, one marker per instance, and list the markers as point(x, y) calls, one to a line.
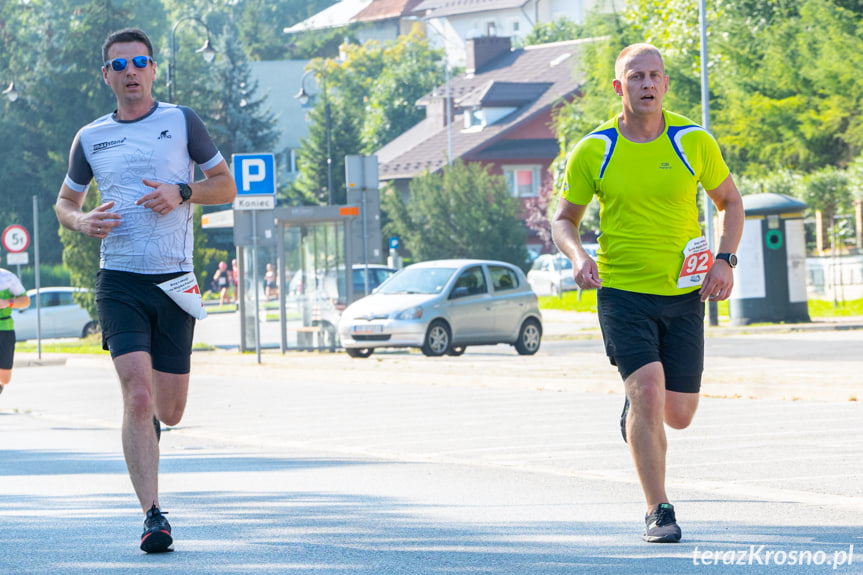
point(16, 239)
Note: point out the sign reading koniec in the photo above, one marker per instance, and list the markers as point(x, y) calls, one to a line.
point(255, 175)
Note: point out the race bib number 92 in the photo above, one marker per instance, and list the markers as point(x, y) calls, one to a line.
point(697, 260)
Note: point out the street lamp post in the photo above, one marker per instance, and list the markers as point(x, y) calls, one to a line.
point(11, 92)
point(305, 97)
point(207, 51)
point(712, 307)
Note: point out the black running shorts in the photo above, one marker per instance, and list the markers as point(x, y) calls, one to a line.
point(642, 328)
point(7, 348)
point(136, 315)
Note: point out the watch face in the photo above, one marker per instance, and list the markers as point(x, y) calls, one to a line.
point(185, 192)
point(730, 258)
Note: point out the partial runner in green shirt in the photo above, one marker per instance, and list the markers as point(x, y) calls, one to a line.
point(12, 296)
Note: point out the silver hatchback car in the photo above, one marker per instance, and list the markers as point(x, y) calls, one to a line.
point(443, 306)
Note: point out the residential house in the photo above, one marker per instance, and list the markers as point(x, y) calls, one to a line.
point(380, 20)
point(335, 16)
point(453, 22)
point(500, 115)
point(450, 23)
point(385, 20)
point(278, 83)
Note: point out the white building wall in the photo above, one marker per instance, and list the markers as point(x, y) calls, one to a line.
point(452, 32)
point(278, 83)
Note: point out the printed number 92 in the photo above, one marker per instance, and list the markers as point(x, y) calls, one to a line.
point(697, 263)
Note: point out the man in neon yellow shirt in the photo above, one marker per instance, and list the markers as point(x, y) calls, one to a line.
point(653, 270)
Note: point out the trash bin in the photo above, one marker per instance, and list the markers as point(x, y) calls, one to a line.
point(770, 278)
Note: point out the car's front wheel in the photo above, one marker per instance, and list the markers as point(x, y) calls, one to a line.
point(359, 351)
point(529, 337)
point(437, 339)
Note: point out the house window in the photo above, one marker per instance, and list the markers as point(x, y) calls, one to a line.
point(523, 181)
point(490, 29)
point(515, 27)
point(477, 118)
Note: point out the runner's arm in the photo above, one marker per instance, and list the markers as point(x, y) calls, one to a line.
point(564, 228)
point(720, 279)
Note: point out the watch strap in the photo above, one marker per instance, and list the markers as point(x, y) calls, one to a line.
point(730, 259)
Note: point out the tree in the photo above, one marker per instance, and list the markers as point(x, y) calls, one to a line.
point(343, 133)
point(371, 94)
point(855, 178)
point(260, 24)
point(411, 70)
point(53, 49)
point(235, 116)
point(827, 191)
point(460, 212)
point(536, 212)
point(81, 257)
point(558, 30)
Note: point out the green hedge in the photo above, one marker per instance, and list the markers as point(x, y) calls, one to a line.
point(49, 275)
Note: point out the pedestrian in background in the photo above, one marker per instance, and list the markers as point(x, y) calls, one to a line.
point(142, 157)
point(235, 278)
point(12, 296)
point(653, 270)
point(222, 279)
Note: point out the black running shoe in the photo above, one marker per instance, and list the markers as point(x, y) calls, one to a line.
point(156, 537)
point(158, 425)
point(661, 525)
point(623, 419)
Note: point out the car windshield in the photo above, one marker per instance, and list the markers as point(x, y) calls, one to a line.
point(418, 280)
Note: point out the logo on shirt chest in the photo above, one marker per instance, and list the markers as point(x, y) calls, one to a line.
point(102, 146)
point(165, 135)
point(664, 166)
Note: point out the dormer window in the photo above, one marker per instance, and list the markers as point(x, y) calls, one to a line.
point(476, 119)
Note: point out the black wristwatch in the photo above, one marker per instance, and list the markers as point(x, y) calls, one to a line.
point(730, 259)
point(185, 192)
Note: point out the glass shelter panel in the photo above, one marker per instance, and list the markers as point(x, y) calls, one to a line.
point(315, 262)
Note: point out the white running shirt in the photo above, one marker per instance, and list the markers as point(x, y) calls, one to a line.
point(162, 146)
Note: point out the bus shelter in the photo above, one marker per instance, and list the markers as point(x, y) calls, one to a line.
point(306, 249)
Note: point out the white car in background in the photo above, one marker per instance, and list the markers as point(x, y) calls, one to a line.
point(443, 306)
point(60, 315)
point(551, 274)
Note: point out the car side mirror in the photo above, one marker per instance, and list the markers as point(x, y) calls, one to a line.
point(459, 292)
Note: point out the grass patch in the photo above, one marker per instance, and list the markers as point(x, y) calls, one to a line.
point(227, 308)
point(91, 344)
point(569, 301)
point(817, 308)
point(823, 308)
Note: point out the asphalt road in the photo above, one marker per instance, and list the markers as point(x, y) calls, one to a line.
point(487, 463)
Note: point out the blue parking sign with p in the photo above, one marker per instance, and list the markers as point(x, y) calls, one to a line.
point(255, 174)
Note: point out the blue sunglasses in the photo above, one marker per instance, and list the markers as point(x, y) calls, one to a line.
point(119, 64)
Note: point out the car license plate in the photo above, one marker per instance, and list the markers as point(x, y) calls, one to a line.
point(374, 328)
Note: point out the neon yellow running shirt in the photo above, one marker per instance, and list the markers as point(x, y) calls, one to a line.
point(648, 196)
